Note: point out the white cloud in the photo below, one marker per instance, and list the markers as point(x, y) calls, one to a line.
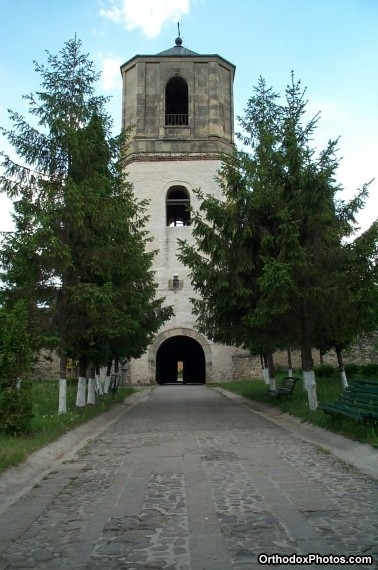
point(149, 15)
point(110, 74)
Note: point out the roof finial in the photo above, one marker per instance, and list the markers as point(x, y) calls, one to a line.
point(178, 40)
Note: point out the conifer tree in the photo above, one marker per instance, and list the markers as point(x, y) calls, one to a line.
point(269, 258)
point(77, 221)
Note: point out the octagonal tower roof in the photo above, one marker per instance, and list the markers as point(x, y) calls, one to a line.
point(178, 49)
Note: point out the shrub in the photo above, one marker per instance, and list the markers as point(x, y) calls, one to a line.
point(352, 369)
point(370, 369)
point(325, 371)
point(16, 408)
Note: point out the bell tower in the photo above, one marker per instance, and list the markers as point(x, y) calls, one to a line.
point(179, 106)
point(178, 103)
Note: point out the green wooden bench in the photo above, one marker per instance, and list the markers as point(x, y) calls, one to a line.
point(370, 386)
point(358, 401)
point(285, 388)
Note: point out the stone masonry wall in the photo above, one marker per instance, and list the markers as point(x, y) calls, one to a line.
point(228, 363)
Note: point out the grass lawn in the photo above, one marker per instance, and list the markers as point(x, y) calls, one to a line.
point(327, 390)
point(48, 425)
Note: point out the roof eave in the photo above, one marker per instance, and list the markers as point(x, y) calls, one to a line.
point(168, 55)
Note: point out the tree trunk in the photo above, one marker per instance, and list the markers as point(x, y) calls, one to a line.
point(116, 365)
point(62, 406)
point(265, 373)
point(62, 327)
point(91, 397)
point(107, 378)
point(272, 372)
point(289, 363)
point(99, 389)
point(262, 360)
point(264, 366)
point(321, 357)
point(309, 380)
point(340, 362)
point(82, 382)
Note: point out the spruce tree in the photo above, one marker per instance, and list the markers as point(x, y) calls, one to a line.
point(78, 223)
point(269, 258)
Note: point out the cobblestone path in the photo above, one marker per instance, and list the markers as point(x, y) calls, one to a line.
point(189, 480)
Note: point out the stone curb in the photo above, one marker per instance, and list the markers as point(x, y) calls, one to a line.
point(18, 480)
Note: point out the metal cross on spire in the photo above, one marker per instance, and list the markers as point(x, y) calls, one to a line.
point(178, 41)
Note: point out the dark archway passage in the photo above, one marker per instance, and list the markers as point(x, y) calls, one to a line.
point(180, 359)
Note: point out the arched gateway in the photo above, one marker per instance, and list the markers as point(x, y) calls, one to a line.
point(180, 356)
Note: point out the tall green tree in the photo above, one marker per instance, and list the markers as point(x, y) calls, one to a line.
point(90, 281)
point(111, 296)
point(354, 292)
point(264, 256)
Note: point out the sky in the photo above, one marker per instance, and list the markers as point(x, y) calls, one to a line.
point(330, 45)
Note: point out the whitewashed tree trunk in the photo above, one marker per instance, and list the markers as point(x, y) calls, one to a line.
point(310, 384)
point(91, 397)
point(106, 384)
point(344, 380)
point(81, 389)
point(265, 373)
point(340, 362)
point(62, 407)
point(272, 371)
point(99, 387)
point(304, 382)
point(62, 400)
point(272, 384)
point(289, 363)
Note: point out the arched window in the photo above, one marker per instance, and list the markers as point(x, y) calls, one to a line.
point(176, 102)
point(177, 206)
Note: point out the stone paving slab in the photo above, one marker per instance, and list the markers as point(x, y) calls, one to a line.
point(187, 478)
point(362, 456)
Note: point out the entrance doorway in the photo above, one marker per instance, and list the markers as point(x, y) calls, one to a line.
point(180, 360)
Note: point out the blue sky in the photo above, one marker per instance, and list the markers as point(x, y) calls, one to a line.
point(331, 45)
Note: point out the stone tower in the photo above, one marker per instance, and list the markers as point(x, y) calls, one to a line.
point(180, 107)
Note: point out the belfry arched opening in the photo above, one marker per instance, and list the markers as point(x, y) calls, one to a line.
point(180, 360)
